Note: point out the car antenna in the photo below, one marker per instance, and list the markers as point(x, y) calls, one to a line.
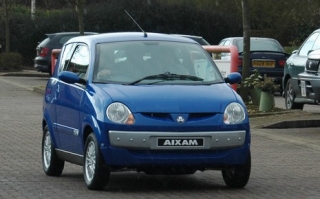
point(145, 34)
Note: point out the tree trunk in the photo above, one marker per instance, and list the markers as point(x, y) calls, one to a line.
point(7, 29)
point(7, 44)
point(33, 9)
point(246, 39)
point(80, 13)
point(244, 93)
point(80, 19)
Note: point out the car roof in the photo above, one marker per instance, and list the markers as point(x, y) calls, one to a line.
point(128, 36)
point(50, 35)
point(257, 38)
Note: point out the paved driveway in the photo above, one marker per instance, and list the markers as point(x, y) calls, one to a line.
point(282, 167)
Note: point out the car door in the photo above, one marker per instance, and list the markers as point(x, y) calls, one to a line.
point(52, 91)
point(69, 99)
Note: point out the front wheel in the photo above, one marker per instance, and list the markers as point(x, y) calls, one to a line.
point(289, 97)
point(238, 177)
point(51, 164)
point(96, 173)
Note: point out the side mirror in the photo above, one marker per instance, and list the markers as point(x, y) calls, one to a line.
point(70, 77)
point(233, 78)
point(294, 52)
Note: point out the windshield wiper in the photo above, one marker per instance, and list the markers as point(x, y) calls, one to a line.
point(167, 76)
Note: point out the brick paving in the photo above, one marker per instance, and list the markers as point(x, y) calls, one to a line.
point(285, 162)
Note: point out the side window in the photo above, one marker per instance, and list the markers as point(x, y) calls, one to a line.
point(66, 55)
point(79, 61)
point(227, 43)
point(222, 43)
point(308, 45)
point(223, 55)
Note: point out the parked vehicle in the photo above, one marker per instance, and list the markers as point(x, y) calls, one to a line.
point(42, 61)
point(302, 89)
point(309, 80)
point(266, 54)
point(139, 101)
point(198, 39)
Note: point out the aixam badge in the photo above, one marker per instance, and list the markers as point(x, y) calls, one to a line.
point(180, 119)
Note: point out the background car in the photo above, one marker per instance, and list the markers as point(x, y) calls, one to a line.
point(295, 98)
point(198, 39)
point(42, 61)
point(266, 54)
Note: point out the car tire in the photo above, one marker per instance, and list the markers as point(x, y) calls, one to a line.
point(290, 96)
point(238, 176)
point(51, 164)
point(96, 173)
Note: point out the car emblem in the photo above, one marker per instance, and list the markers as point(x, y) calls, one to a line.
point(180, 119)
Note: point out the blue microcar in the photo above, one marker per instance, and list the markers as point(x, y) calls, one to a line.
point(144, 102)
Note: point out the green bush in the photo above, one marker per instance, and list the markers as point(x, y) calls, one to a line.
point(290, 49)
point(10, 61)
point(214, 21)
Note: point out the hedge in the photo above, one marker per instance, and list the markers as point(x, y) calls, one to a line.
point(153, 16)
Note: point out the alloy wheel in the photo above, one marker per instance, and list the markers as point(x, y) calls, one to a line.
point(47, 150)
point(289, 96)
point(90, 161)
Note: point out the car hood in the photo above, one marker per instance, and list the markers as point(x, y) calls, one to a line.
point(172, 98)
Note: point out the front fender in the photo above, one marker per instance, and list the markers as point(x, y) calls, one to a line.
point(91, 123)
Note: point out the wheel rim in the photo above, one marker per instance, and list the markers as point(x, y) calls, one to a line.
point(47, 150)
point(90, 162)
point(289, 95)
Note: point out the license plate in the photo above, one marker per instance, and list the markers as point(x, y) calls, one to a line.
point(180, 142)
point(263, 64)
point(303, 88)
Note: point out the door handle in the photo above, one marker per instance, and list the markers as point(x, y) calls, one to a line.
point(58, 89)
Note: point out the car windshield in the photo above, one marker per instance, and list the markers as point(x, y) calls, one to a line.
point(154, 62)
point(260, 45)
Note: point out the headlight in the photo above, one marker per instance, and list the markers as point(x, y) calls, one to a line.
point(234, 114)
point(119, 113)
point(312, 65)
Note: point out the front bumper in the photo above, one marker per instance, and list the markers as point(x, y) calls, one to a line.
point(310, 87)
point(137, 150)
point(196, 159)
point(174, 140)
point(42, 64)
point(42, 68)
